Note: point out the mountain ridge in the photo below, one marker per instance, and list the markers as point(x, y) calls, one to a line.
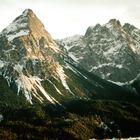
point(37, 67)
point(110, 51)
point(45, 94)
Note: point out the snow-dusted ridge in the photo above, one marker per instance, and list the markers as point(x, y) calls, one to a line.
point(19, 27)
point(111, 51)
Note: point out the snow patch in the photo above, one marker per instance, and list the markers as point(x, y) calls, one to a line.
point(75, 71)
point(119, 66)
point(62, 76)
point(108, 25)
point(112, 50)
point(55, 87)
point(133, 48)
point(30, 85)
point(18, 68)
point(117, 83)
point(73, 57)
point(71, 39)
point(108, 74)
point(20, 33)
point(1, 64)
point(70, 67)
point(38, 84)
point(19, 27)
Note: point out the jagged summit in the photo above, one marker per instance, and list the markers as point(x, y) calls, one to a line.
point(91, 29)
point(111, 51)
point(25, 24)
point(17, 28)
point(28, 25)
point(27, 50)
point(27, 12)
point(114, 21)
point(113, 24)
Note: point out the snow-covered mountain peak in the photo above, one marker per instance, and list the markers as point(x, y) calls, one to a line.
point(28, 54)
point(19, 27)
point(24, 25)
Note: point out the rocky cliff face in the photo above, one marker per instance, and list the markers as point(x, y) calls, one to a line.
point(37, 69)
point(28, 55)
point(111, 51)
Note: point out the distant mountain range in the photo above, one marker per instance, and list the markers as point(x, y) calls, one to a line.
point(42, 79)
point(111, 51)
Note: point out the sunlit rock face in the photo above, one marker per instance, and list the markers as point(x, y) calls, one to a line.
point(28, 56)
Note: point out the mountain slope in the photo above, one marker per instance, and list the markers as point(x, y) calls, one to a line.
point(35, 67)
point(44, 94)
point(110, 51)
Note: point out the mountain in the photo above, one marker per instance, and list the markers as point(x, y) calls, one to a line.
point(37, 69)
point(44, 94)
point(111, 51)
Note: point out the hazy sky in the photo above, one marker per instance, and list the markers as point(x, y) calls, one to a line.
point(64, 18)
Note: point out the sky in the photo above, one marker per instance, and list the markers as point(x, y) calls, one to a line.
point(64, 18)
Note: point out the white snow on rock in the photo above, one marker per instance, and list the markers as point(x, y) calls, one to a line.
point(75, 70)
point(69, 40)
point(55, 87)
point(62, 76)
point(112, 50)
point(18, 34)
point(18, 68)
point(72, 41)
point(117, 83)
point(133, 48)
point(19, 27)
point(73, 57)
point(1, 64)
point(31, 85)
point(119, 66)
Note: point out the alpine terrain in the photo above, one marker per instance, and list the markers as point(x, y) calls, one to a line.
point(52, 90)
point(111, 51)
